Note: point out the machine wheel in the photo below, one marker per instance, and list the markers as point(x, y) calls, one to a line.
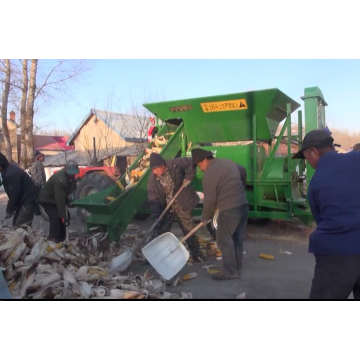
point(212, 226)
point(91, 184)
point(44, 215)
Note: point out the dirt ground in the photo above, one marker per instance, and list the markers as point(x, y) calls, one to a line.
point(285, 277)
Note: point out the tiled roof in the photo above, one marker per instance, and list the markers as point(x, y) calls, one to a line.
point(47, 142)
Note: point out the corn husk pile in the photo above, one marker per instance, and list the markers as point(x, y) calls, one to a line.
point(36, 268)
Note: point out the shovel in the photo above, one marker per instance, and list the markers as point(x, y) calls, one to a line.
point(67, 227)
point(167, 254)
point(123, 261)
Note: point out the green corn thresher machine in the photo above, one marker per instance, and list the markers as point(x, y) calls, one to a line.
point(275, 188)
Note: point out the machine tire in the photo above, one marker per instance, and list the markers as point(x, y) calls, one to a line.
point(90, 184)
point(212, 226)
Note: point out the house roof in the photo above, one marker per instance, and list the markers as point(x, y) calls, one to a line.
point(47, 142)
point(82, 157)
point(129, 127)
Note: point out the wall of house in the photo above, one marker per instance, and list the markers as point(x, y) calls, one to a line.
point(105, 138)
point(50, 152)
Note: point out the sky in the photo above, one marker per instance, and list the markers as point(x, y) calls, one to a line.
point(117, 85)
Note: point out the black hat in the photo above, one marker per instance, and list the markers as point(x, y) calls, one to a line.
point(156, 160)
point(199, 155)
point(3, 160)
point(37, 154)
point(319, 139)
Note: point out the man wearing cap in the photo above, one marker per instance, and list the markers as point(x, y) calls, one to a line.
point(224, 189)
point(21, 192)
point(37, 174)
point(356, 147)
point(334, 199)
point(54, 197)
point(165, 181)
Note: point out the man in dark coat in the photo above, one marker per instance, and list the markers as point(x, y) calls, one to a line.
point(224, 189)
point(54, 197)
point(334, 200)
point(166, 179)
point(21, 192)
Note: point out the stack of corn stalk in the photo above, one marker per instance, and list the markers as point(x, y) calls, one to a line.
point(157, 145)
point(134, 176)
point(36, 268)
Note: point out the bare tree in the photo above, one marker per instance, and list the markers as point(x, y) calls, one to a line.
point(24, 91)
point(38, 89)
point(4, 105)
point(54, 132)
point(29, 124)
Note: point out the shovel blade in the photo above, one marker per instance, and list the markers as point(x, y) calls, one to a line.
point(167, 255)
point(121, 262)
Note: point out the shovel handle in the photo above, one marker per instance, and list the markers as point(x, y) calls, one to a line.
point(160, 217)
point(194, 230)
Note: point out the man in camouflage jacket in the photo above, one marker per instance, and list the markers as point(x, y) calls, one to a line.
point(164, 182)
point(37, 174)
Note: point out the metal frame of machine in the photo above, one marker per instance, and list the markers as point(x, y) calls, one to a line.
point(275, 188)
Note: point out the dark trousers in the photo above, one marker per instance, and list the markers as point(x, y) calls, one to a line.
point(25, 215)
point(57, 230)
point(336, 277)
point(37, 209)
point(230, 237)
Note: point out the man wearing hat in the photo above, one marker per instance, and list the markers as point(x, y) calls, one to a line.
point(37, 173)
point(54, 197)
point(21, 192)
point(165, 180)
point(334, 199)
point(224, 189)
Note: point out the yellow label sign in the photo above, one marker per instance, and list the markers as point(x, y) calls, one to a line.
point(230, 105)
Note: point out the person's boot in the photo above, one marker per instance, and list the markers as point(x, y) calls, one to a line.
point(224, 276)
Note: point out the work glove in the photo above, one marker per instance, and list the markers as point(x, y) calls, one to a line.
point(65, 222)
point(186, 183)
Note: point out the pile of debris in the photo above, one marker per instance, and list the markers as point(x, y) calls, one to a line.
point(36, 268)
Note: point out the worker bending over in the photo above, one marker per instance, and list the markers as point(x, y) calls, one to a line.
point(165, 181)
point(55, 196)
point(224, 189)
point(21, 192)
point(334, 199)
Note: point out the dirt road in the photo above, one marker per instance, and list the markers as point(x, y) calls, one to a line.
point(286, 277)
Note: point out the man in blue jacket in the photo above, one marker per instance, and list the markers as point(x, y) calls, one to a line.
point(334, 199)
